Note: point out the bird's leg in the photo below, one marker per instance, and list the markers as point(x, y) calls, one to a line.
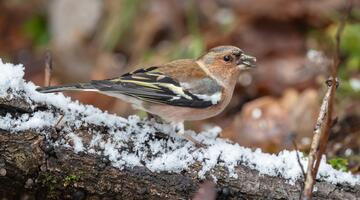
point(150, 116)
point(155, 117)
point(179, 130)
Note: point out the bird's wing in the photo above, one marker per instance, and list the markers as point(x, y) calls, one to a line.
point(162, 85)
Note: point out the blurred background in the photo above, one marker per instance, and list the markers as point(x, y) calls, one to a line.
point(273, 105)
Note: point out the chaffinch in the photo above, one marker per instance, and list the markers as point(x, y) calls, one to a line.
point(178, 91)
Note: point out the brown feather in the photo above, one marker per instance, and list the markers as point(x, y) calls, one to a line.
point(184, 70)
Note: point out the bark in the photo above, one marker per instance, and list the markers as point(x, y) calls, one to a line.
point(30, 167)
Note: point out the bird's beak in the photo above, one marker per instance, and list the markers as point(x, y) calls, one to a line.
point(246, 61)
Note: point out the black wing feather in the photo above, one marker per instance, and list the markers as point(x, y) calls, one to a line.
point(153, 86)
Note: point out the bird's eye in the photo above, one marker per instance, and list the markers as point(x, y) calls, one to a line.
point(227, 58)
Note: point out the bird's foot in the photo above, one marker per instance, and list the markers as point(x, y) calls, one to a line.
point(196, 142)
point(179, 129)
point(154, 117)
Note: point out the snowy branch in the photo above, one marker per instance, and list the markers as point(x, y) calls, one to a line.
point(60, 147)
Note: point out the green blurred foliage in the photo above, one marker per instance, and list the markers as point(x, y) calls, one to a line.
point(36, 28)
point(193, 46)
point(350, 48)
point(119, 23)
point(196, 44)
point(339, 164)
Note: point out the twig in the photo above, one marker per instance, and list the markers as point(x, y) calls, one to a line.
point(298, 159)
point(324, 121)
point(48, 68)
point(320, 133)
point(301, 167)
point(58, 122)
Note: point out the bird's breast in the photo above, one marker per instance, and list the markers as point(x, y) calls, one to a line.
point(179, 114)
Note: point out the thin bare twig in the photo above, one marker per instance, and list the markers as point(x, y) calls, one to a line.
point(298, 159)
point(47, 77)
point(301, 167)
point(324, 121)
point(48, 69)
point(320, 136)
point(58, 122)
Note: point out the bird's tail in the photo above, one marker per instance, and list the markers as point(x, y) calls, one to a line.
point(68, 87)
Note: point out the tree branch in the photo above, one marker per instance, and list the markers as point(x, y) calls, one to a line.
point(32, 166)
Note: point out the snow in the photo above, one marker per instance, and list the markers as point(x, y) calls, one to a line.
point(77, 141)
point(136, 142)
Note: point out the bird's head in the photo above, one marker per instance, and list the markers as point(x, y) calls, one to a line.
point(228, 57)
point(225, 63)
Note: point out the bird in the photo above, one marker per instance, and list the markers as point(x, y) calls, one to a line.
point(177, 91)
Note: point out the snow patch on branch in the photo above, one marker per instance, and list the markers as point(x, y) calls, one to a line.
point(136, 142)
